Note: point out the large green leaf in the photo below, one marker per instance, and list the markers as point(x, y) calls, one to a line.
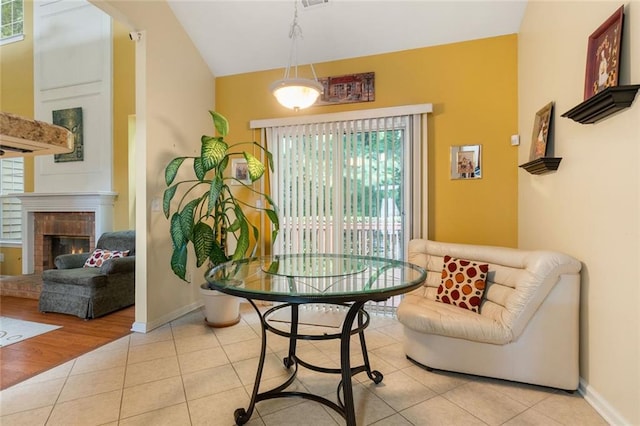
point(243, 242)
point(214, 192)
point(234, 226)
point(217, 255)
point(167, 197)
point(188, 218)
point(179, 261)
point(270, 160)
point(177, 235)
point(254, 166)
point(202, 242)
point(273, 217)
point(212, 151)
point(198, 168)
point(221, 123)
point(172, 169)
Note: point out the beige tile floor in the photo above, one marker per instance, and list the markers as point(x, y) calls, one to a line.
point(186, 373)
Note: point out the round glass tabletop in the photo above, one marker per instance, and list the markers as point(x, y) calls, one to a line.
point(316, 278)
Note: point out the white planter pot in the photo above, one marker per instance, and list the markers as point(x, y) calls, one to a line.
point(221, 310)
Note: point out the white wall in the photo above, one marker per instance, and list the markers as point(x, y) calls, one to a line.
point(72, 68)
point(174, 91)
point(590, 207)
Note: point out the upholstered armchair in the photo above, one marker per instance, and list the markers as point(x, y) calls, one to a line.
point(90, 285)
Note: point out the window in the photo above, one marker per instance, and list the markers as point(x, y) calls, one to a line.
point(11, 181)
point(12, 20)
point(339, 186)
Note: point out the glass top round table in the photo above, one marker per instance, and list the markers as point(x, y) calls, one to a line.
point(316, 278)
point(297, 279)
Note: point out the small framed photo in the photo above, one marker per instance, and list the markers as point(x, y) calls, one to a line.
point(240, 172)
point(541, 127)
point(603, 55)
point(466, 162)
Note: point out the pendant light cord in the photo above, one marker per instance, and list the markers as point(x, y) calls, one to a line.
point(294, 32)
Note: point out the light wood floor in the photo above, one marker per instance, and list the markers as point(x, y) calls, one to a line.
point(25, 359)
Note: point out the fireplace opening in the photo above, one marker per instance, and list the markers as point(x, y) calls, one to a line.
point(64, 244)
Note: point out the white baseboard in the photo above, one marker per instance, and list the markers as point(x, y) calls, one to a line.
point(145, 327)
point(609, 413)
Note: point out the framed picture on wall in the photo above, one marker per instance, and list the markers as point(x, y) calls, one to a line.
point(603, 55)
point(540, 137)
point(70, 119)
point(466, 162)
point(240, 172)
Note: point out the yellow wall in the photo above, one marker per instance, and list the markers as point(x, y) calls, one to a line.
point(473, 88)
point(16, 80)
point(124, 105)
point(16, 97)
point(590, 207)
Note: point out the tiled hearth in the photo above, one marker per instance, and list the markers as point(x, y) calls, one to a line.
point(25, 286)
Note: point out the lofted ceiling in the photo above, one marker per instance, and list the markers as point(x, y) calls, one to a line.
point(239, 36)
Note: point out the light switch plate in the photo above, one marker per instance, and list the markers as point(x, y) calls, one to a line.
point(156, 206)
point(515, 140)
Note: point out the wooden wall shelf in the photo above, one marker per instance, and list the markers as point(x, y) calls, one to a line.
point(603, 104)
point(542, 165)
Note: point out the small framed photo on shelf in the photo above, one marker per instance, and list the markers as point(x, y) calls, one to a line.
point(466, 162)
point(541, 127)
point(240, 172)
point(603, 55)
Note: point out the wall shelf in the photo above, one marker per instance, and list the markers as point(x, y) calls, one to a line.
point(542, 165)
point(603, 104)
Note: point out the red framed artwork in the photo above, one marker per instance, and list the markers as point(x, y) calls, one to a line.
point(603, 55)
point(345, 89)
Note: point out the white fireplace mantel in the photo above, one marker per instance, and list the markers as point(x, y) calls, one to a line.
point(100, 203)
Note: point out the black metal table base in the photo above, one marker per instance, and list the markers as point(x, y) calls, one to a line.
point(345, 405)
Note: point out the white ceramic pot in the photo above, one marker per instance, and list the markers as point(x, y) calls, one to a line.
point(221, 310)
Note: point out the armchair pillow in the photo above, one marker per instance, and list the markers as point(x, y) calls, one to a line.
point(99, 256)
point(463, 283)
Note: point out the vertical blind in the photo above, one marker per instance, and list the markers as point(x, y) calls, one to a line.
point(340, 185)
point(11, 181)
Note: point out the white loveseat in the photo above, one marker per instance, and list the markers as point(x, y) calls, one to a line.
point(528, 326)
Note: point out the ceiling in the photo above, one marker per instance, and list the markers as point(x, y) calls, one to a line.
point(239, 36)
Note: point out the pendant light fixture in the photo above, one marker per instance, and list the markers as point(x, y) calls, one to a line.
point(295, 92)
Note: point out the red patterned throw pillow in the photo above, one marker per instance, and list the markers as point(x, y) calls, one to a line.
point(463, 283)
point(99, 256)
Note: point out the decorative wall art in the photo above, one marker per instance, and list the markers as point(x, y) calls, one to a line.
point(466, 162)
point(347, 89)
point(240, 171)
point(541, 127)
point(70, 119)
point(603, 55)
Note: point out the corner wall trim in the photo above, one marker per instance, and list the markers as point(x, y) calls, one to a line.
point(146, 327)
point(601, 405)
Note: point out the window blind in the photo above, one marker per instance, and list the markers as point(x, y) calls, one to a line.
point(11, 181)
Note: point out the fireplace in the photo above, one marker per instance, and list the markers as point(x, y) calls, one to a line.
point(55, 245)
point(64, 244)
point(73, 215)
point(52, 227)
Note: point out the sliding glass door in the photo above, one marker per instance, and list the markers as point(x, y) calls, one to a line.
point(341, 186)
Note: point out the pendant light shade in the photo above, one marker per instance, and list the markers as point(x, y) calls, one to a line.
point(294, 92)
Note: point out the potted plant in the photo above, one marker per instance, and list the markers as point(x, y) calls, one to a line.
point(207, 213)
